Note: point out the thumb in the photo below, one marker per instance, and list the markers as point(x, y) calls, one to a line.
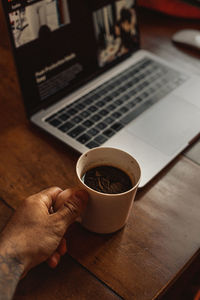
point(70, 204)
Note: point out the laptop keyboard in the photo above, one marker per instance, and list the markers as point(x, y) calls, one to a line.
point(100, 114)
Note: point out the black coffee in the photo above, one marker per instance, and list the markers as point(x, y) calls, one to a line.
point(107, 179)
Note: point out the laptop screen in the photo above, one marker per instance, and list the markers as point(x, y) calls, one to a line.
point(61, 44)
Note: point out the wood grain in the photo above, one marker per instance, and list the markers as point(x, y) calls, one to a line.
point(69, 281)
point(34, 163)
point(162, 233)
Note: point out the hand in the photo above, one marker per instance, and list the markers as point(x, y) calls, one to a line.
point(35, 232)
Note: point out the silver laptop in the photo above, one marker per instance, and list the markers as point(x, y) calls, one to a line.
point(85, 81)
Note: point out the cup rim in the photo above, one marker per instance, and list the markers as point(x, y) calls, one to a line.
point(106, 194)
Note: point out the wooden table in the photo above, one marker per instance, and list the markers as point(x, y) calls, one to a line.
point(161, 239)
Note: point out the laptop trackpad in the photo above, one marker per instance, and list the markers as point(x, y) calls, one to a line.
point(168, 126)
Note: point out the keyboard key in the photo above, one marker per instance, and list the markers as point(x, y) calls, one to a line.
point(108, 99)
point(134, 91)
point(115, 94)
point(85, 113)
point(109, 132)
point(116, 115)
point(76, 131)
point(108, 120)
point(66, 126)
point(143, 95)
point(111, 107)
point(124, 97)
point(100, 103)
point(103, 112)
point(101, 125)
point(130, 94)
point(96, 96)
point(117, 126)
point(88, 101)
point(123, 88)
point(131, 104)
point(55, 122)
point(136, 112)
point(123, 109)
point(100, 139)
point(84, 138)
point(118, 102)
point(137, 100)
point(77, 119)
point(133, 81)
point(129, 84)
point(96, 118)
point(63, 117)
point(120, 90)
point(93, 132)
point(92, 144)
point(92, 108)
point(71, 111)
point(79, 106)
point(88, 123)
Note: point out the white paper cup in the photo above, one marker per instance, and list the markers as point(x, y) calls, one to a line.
point(107, 213)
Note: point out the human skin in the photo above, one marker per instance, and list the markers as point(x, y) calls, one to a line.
point(35, 233)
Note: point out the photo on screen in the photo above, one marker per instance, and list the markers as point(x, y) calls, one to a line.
point(32, 21)
point(115, 30)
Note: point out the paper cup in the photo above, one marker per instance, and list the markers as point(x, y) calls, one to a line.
point(107, 213)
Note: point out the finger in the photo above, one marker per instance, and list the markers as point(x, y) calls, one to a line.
point(54, 260)
point(48, 196)
point(69, 194)
point(23, 274)
point(70, 204)
point(62, 248)
point(62, 197)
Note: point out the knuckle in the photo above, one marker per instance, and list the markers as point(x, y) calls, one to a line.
point(54, 188)
point(42, 197)
point(34, 199)
point(72, 208)
point(29, 200)
point(51, 190)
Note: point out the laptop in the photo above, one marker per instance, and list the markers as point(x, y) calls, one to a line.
point(85, 81)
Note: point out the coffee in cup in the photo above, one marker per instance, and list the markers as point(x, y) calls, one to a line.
point(107, 179)
point(107, 212)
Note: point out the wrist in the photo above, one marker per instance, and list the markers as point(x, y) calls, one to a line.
point(12, 253)
point(11, 270)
